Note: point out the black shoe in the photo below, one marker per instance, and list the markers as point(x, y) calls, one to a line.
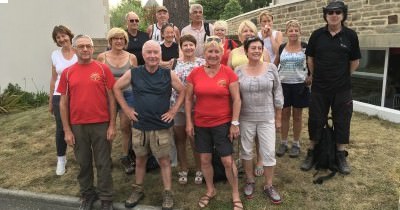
point(308, 163)
point(343, 166)
point(129, 166)
point(106, 205)
point(282, 149)
point(87, 201)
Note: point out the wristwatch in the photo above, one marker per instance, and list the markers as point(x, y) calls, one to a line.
point(235, 123)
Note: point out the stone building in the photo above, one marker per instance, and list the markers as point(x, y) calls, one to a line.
point(376, 84)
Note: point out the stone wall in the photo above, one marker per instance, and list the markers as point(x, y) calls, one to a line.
point(375, 21)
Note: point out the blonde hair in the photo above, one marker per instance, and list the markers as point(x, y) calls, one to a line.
point(213, 43)
point(293, 23)
point(114, 32)
point(265, 13)
point(221, 24)
point(246, 23)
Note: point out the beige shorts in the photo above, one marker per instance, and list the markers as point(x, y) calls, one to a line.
point(154, 141)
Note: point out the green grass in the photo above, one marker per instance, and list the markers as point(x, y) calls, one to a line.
point(28, 161)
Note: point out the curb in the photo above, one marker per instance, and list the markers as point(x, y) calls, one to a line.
point(67, 201)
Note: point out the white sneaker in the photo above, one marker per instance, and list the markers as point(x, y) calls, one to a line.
point(61, 167)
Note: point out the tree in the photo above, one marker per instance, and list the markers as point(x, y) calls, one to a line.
point(178, 12)
point(231, 9)
point(118, 13)
point(249, 5)
point(212, 8)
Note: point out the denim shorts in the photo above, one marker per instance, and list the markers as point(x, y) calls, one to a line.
point(128, 96)
point(296, 95)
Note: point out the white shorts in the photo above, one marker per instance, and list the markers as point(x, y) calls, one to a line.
point(266, 137)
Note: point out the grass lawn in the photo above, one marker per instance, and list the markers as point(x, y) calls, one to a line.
point(28, 161)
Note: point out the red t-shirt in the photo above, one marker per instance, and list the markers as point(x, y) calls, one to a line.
point(225, 56)
point(86, 84)
point(213, 100)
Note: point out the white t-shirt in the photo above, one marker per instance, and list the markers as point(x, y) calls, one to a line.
point(60, 63)
point(268, 45)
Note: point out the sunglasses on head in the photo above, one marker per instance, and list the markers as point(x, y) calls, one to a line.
point(216, 39)
point(337, 12)
point(134, 20)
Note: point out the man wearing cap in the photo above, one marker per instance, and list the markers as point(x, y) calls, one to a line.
point(198, 28)
point(162, 17)
point(333, 54)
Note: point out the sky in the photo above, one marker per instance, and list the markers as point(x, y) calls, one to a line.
point(114, 3)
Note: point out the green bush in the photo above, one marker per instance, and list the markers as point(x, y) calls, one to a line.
point(14, 99)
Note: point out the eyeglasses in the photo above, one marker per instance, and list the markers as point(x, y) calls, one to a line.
point(134, 20)
point(83, 46)
point(216, 39)
point(337, 12)
point(118, 38)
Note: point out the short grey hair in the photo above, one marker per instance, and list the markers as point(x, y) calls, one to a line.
point(130, 13)
point(75, 39)
point(195, 6)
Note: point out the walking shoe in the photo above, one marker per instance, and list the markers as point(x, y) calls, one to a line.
point(168, 201)
point(182, 177)
point(60, 170)
point(272, 194)
point(106, 205)
point(308, 163)
point(87, 201)
point(343, 166)
point(199, 177)
point(249, 189)
point(136, 195)
point(129, 166)
point(294, 151)
point(282, 149)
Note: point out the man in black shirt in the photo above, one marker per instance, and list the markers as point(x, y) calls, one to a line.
point(333, 54)
point(136, 38)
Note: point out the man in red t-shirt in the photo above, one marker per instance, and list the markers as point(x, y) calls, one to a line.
point(88, 115)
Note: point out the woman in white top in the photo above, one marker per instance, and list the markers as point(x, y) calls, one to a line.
point(61, 59)
point(293, 74)
point(272, 38)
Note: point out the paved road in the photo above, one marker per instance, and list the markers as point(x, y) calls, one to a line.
point(23, 200)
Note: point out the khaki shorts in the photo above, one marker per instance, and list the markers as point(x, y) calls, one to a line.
point(154, 141)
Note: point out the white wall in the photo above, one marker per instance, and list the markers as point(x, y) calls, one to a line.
point(25, 36)
point(391, 115)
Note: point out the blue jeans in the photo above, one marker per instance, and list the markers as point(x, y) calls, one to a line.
point(61, 145)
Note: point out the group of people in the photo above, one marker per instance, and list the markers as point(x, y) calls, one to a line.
point(168, 86)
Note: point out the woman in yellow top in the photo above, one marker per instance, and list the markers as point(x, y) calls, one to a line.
point(237, 56)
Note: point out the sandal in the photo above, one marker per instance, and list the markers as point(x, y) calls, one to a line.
point(237, 205)
point(259, 171)
point(205, 200)
point(182, 177)
point(199, 178)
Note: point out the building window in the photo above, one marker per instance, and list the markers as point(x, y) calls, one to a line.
point(367, 81)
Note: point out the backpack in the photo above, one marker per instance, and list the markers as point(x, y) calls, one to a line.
point(325, 153)
point(207, 29)
point(219, 169)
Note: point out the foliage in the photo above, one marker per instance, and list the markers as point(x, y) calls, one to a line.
point(249, 5)
point(212, 8)
point(118, 13)
point(231, 9)
point(15, 99)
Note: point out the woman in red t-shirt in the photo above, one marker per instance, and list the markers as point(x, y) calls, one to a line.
point(216, 115)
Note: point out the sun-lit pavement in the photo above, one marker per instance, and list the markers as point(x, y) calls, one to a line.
point(23, 200)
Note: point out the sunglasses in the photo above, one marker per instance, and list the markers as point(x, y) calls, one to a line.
point(337, 12)
point(134, 20)
point(216, 39)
